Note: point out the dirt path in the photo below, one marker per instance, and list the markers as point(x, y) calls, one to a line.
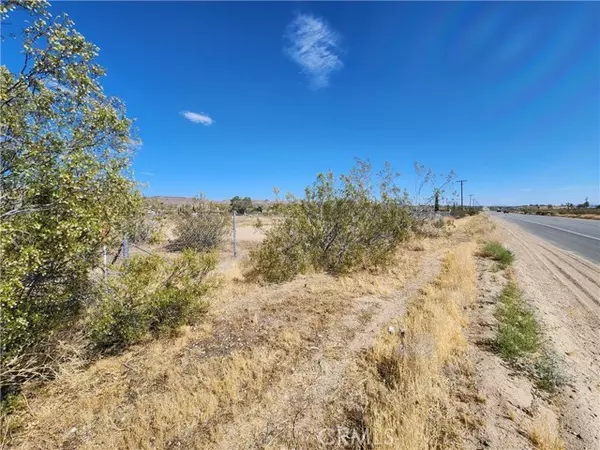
point(296, 411)
point(565, 290)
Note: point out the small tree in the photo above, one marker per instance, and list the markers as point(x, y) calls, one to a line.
point(240, 205)
point(585, 204)
point(436, 206)
point(65, 181)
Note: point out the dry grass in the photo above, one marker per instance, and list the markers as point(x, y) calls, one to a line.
point(581, 216)
point(409, 377)
point(477, 227)
point(183, 392)
point(544, 433)
point(220, 384)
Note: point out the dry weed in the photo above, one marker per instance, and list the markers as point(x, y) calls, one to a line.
point(477, 227)
point(409, 383)
point(544, 433)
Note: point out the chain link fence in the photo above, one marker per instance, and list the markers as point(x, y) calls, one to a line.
point(172, 234)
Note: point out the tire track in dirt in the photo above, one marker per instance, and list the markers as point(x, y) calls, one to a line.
point(571, 279)
point(297, 408)
point(577, 265)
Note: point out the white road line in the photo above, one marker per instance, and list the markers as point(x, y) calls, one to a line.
point(557, 228)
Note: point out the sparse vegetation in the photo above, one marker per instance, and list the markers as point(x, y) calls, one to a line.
point(518, 331)
point(519, 339)
point(339, 226)
point(582, 210)
point(544, 435)
point(497, 252)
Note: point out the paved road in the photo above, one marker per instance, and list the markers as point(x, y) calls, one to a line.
point(579, 236)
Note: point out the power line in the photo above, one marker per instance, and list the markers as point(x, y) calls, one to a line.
point(461, 191)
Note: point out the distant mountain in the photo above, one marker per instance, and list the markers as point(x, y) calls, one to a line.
point(173, 200)
point(168, 200)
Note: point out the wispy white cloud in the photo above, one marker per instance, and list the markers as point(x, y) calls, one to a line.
point(149, 174)
point(315, 46)
point(202, 118)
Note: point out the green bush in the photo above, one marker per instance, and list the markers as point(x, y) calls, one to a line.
point(496, 251)
point(150, 296)
point(339, 226)
point(67, 187)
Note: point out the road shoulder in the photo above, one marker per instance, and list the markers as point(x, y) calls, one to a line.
point(564, 290)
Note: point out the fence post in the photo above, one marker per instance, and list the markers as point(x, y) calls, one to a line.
point(234, 237)
point(105, 257)
point(125, 247)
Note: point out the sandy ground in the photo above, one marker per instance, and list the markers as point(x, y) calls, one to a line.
point(565, 292)
point(509, 402)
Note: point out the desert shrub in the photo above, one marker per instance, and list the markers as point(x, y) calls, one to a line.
point(65, 155)
point(200, 231)
point(157, 237)
point(459, 213)
point(142, 228)
point(150, 296)
point(433, 227)
point(339, 225)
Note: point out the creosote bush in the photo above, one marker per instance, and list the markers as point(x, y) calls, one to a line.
point(150, 296)
point(200, 226)
point(65, 181)
point(143, 228)
point(459, 213)
point(340, 225)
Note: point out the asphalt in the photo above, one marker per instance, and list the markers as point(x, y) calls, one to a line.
point(580, 236)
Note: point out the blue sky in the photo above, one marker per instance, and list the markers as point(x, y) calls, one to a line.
point(235, 98)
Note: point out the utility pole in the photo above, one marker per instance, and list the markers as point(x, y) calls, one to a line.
point(461, 191)
point(471, 200)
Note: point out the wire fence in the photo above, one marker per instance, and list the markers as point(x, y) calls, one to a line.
point(200, 231)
